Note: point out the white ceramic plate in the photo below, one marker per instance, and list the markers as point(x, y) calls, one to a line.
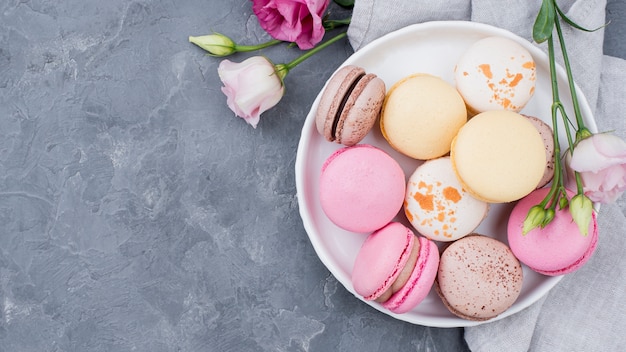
point(433, 48)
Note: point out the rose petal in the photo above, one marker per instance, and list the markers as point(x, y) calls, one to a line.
point(298, 21)
point(597, 152)
point(251, 87)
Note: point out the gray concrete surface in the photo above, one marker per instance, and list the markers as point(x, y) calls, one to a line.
point(615, 32)
point(137, 214)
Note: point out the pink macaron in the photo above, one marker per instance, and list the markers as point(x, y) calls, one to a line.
point(395, 268)
point(361, 188)
point(557, 249)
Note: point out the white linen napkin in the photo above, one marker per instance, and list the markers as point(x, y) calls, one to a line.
point(586, 311)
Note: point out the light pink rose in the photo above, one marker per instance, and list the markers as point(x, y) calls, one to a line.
point(601, 162)
point(251, 87)
point(298, 21)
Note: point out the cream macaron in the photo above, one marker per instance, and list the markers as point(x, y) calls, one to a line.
point(421, 115)
point(495, 73)
point(499, 156)
point(436, 204)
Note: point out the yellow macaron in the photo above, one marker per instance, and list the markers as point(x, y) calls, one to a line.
point(498, 156)
point(421, 115)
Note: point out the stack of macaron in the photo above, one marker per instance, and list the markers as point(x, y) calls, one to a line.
point(472, 148)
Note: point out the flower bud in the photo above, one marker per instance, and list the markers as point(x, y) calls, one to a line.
point(581, 207)
point(251, 87)
point(582, 134)
point(216, 44)
point(534, 218)
point(563, 202)
point(548, 217)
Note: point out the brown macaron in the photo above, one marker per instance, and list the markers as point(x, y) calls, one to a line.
point(548, 140)
point(349, 105)
point(478, 278)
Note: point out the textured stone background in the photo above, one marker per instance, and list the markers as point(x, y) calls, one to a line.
point(137, 214)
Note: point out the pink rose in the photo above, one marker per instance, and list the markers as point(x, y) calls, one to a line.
point(298, 21)
point(251, 87)
point(601, 162)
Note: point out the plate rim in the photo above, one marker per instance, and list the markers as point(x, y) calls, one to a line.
point(307, 222)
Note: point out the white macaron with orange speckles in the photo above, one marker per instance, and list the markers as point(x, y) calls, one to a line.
point(437, 205)
point(495, 73)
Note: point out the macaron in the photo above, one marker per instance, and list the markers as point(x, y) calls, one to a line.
point(349, 105)
point(495, 73)
point(556, 249)
point(361, 188)
point(498, 156)
point(436, 204)
point(545, 131)
point(421, 115)
point(395, 268)
point(478, 278)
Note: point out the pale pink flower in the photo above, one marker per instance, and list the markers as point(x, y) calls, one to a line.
point(601, 162)
point(251, 87)
point(298, 21)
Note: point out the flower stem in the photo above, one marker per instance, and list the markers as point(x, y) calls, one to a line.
point(283, 69)
point(313, 51)
point(581, 131)
point(553, 195)
point(332, 24)
point(247, 48)
point(548, 19)
point(570, 80)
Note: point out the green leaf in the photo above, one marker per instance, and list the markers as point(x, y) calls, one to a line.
point(575, 25)
point(345, 3)
point(542, 28)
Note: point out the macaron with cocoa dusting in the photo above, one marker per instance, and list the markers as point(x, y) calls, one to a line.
point(548, 140)
point(478, 278)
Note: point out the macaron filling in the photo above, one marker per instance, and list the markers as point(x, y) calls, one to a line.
point(381, 260)
point(342, 105)
point(411, 293)
point(402, 273)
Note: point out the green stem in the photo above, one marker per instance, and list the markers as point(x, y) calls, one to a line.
point(247, 48)
point(313, 51)
point(581, 131)
point(332, 24)
point(553, 79)
point(568, 132)
point(579, 183)
point(552, 195)
point(570, 80)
